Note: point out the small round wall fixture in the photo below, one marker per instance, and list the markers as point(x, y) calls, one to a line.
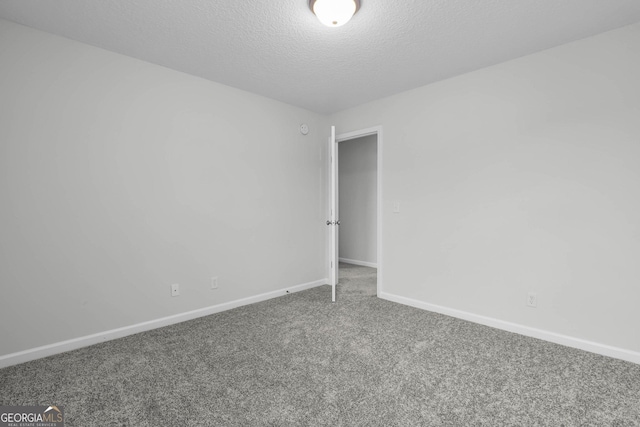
point(304, 129)
point(334, 13)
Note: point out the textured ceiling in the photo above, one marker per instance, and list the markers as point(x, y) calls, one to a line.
point(279, 49)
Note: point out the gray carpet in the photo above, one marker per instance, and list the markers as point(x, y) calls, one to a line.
point(301, 360)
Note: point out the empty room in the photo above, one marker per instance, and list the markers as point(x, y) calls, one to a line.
point(319, 212)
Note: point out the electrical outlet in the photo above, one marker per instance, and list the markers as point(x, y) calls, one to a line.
point(214, 282)
point(175, 290)
point(532, 299)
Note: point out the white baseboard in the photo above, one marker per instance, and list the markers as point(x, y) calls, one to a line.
point(356, 262)
point(593, 347)
point(75, 343)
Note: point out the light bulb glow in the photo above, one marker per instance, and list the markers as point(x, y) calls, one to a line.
point(334, 13)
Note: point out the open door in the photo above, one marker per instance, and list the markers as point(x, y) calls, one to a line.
point(333, 222)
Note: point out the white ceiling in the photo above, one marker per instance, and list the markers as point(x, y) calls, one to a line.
point(278, 48)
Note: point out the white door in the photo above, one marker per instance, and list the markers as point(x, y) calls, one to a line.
point(333, 222)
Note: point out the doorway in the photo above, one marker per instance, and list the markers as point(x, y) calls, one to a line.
point(358, 200)
point(356, 257)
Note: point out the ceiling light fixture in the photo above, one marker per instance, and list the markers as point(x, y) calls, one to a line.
point(334, 13)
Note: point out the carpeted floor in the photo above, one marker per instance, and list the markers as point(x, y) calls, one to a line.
point(301, 360)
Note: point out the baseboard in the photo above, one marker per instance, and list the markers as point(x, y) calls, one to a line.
point(356, 262)
point(593, 347)
point(73, 344)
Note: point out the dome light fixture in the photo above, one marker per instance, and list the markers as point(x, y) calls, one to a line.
point(334, 13)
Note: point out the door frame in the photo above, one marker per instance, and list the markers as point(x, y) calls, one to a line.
point(375, 130)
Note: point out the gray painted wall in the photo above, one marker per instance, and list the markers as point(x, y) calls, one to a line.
point(120, 177)
point(520, 177)
point(358, 199)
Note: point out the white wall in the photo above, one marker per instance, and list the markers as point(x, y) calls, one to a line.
point(524, 176)
point(358, 199)
point(119, 178)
